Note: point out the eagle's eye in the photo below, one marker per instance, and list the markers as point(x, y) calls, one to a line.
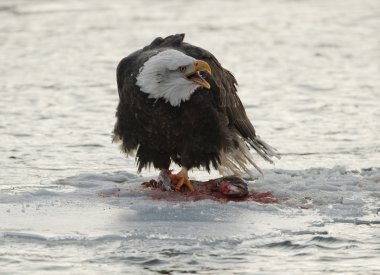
point(182, 68)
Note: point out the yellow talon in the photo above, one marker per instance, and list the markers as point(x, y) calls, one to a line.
point(189, 185)
point(179, 184)
point(182, 179)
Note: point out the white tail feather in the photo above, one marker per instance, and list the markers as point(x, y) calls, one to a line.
point(269, 150)
point(237, 161)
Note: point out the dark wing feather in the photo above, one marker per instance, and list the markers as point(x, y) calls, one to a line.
point(224, 84)
point(131, 100)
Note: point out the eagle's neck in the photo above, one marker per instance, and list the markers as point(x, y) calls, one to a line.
point(173, 90)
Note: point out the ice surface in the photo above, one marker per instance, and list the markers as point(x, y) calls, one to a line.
point(308, 74)
point(322, 215)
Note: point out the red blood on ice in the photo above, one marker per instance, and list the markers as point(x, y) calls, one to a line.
point(221, 189)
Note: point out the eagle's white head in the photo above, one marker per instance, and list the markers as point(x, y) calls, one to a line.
point(172, 76)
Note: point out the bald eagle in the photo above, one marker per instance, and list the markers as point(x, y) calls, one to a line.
point(178, 104)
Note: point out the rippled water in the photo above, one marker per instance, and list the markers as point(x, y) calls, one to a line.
point(309, 75)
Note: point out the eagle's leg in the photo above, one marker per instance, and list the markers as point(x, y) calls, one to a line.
point(182, 178)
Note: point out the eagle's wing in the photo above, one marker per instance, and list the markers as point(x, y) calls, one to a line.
point(223, 83)
point(131, 102)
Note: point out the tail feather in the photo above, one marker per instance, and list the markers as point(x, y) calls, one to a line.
point(237, 160)
point(266, 151)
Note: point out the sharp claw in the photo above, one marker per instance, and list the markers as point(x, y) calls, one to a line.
point(174, 181)
point(179, 184)
point(189, 185)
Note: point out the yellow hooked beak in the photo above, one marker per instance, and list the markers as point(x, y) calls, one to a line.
point(194, 75)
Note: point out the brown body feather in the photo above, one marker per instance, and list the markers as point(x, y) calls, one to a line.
point(202, 132)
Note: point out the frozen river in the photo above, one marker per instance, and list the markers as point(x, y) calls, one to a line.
point(309, 75)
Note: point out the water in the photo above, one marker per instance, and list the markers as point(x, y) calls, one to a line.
point(309, 78)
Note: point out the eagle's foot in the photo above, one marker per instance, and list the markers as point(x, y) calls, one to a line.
point(178, 180)
point(181, 180)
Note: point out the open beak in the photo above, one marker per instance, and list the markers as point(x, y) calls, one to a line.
point(195, 76)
